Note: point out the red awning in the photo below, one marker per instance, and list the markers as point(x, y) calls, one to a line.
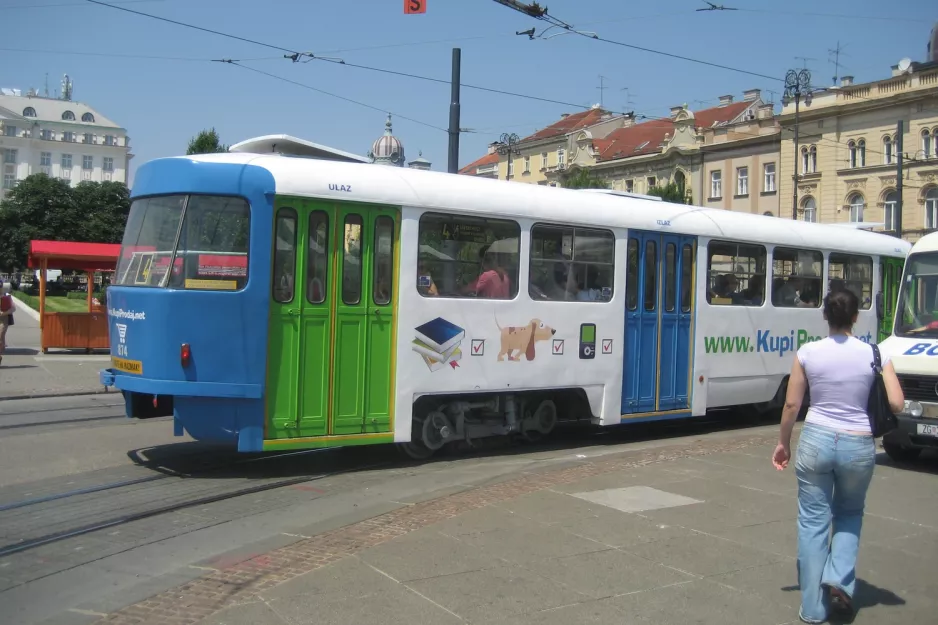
point(72, 255)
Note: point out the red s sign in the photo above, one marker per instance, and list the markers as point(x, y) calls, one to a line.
point(413, 7)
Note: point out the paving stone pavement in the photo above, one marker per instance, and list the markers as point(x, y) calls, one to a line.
point(702, 533)
point(26, 372)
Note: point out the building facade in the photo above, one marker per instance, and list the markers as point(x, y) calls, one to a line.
point(62, 138)
point(846, 161)
point(693, 150)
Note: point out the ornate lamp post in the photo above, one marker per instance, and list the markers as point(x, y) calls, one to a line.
point(506, 147)
point(796, 83)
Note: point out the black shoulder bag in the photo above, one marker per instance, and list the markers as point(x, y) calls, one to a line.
point(882, 419)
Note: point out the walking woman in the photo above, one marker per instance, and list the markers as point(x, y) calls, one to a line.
point(7, 308)
point(835, 457)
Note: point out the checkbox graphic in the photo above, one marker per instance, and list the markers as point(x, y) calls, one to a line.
point(478, 347)
point(607, 346)
point(557, 348)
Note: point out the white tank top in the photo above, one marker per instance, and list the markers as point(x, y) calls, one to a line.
point(839, 378)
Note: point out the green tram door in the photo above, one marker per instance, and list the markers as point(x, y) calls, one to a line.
point(330, 370)
point(890, 273)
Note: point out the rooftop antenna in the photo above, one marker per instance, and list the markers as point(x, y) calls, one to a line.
point(836, 60)
point(628, 98)
point(602, 90)
point(45, 92)
point(805, 59)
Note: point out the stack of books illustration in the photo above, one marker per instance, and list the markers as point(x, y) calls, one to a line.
point(438, 343)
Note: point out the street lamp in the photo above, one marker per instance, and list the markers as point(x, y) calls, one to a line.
point(506, 147)
point(796, 83)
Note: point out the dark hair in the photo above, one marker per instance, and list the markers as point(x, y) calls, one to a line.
point(841, 307)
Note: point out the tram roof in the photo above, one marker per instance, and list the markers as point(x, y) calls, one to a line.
point(928, 243)
point(488, 197)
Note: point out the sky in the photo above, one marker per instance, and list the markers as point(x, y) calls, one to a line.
point(158, 79)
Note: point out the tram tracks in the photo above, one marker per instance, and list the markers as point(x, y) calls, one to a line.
point(41, 521)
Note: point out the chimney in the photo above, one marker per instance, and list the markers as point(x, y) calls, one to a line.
point(628, 120)
point(766, 111)
point(751, 95)
point(726, 99)
point(846, 81)
point(564, 115)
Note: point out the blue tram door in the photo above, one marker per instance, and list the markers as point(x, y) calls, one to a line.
point(659, 316)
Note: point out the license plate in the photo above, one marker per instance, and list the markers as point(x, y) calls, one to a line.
point(926, 429)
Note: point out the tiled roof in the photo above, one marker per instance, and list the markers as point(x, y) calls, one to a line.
point(647, 137)
point(488, 159)
point(568, 124)
point(51, 110)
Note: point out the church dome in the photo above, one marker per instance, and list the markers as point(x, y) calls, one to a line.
point(388, 149)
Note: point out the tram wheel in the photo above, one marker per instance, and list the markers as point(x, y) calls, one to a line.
point(417, 449)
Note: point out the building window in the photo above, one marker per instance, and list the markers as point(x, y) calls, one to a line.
point(9, 156)
point(852, 148)
point(887, 150)
point(737, 274)
point(87, 162)
point(9, 131)
point(889, 210)
point(854, 273)
point(742, 181)
point(813, 153)
point(544, 160)
point(66, 161)
point(68, 137)
point(45, 159)
point(110, 140)
point(527, 164)
point(804, 160)
point(861, 152)
point(630, 186)
point(810, 209)
point(716, 184)
point(9, 177)
point(87, 117)
point(47, 135)
point(560, 157)
point(29, 112)
point(809, 160)
point(108, 163)
point(651, 181)
point(68, 116)
point(931, 208)
point(926, 143)
point(468, 257)
point(856, 204)
point(88, 138)
point(768, 178)
point(571, 264)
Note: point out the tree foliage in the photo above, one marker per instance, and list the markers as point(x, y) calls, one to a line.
point(671, 192)
point(41, 207)
point(206, 142)
point(584, 179)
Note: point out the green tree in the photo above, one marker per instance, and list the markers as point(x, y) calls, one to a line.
point(584, 179)
point(206, 142)
point(670, 192)
point(40, 207)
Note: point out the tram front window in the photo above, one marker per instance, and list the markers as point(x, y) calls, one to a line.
point(209, 251)
point(917, 313)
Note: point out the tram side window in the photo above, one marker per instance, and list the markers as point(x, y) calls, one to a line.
point(736, 274)
point(796, 278)
point(631, 276)
point(213, 244)
point(852, 272)
point(571, 264)
point(470, 257)
point(283, 282)
point(384, 258)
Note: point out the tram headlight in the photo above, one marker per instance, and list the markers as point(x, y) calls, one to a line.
point(912, 408)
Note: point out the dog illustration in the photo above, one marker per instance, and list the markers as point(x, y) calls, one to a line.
point(518, 339)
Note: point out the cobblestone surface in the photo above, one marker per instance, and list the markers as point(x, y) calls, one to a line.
point(241, 582)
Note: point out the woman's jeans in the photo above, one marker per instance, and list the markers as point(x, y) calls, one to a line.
point(834, 471)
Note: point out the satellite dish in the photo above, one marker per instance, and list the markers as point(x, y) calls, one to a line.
point(905, 64)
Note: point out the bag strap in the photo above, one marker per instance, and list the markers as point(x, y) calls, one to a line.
point(877, 363)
